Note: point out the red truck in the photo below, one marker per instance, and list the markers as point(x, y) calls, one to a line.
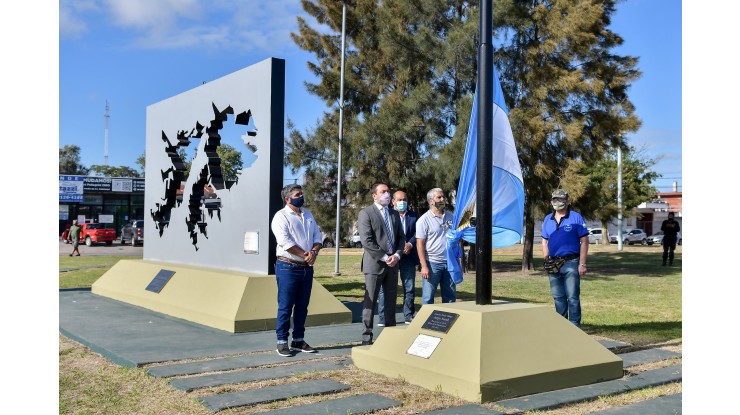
point(97, 232)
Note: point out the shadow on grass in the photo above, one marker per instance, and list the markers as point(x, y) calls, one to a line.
point(650, 331)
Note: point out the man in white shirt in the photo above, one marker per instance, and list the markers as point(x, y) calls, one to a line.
point(298, 243)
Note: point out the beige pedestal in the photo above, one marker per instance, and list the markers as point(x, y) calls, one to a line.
point(491, 352)
point(228, 300)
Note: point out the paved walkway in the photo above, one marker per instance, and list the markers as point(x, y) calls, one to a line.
point(132, 336)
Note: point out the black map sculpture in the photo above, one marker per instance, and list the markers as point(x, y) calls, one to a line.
point(203, 196)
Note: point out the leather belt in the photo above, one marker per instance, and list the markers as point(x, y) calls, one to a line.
point(292, 261)
point(567, 257)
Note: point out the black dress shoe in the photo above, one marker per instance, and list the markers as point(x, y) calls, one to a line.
point(367, 342)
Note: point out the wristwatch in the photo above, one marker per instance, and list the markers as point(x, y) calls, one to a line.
point(315, 252)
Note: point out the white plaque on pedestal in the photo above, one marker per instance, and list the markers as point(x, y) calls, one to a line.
point(424, 346)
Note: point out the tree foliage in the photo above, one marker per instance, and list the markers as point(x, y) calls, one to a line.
point(409, 80)
point(113, 171)
point(69, 161)
point(567, 91)
point(600, 190)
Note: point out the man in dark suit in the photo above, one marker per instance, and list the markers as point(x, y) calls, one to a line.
point(409, 260)
point(381, 236)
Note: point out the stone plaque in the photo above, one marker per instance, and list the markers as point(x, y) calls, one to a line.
point(440, 321)
point(162, 277)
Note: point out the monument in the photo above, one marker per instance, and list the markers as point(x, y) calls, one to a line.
point(214, 170)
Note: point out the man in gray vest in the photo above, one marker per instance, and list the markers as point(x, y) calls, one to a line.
point(382, 238)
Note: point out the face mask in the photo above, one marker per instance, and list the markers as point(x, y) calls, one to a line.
point(297, 202)
point(384, 199)
point(558, 205)
point(401, 206)
point(440, 205)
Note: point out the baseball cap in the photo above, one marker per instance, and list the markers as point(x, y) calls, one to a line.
point(560, 193)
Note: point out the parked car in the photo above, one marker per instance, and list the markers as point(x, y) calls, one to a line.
point(354, 241)
point(133, 232)
point(594, 236)
point(631, 237)
point(327, 241)
point(96, 233)
point(657, 238)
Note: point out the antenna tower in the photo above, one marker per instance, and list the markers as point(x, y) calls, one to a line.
point(107, 117)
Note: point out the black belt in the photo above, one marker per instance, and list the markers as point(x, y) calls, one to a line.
point(567, 257)
point(292, 261)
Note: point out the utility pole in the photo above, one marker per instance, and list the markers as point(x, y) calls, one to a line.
point(619, 195)
point(339, 152)
point(107, 117)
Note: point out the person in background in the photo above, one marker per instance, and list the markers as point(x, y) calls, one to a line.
point(298, 243)
point(382, 241)
point(431, 243)
point(565, 244)
point(409, 259)
point(670, 228)
point(74, 236)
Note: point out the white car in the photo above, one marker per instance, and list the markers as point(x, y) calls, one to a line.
point(657, 238)
point(595, 236)
point(630, 237)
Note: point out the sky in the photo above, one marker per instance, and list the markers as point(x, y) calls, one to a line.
point(134, 53)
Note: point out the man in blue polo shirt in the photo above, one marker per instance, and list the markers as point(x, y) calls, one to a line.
point(565, 240)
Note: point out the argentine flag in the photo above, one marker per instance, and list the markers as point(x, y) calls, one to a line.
point(508, 186)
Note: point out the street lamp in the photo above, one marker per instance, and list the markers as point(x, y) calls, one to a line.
point(339, 152)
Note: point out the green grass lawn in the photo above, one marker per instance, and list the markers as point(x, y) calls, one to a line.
point(626, 295)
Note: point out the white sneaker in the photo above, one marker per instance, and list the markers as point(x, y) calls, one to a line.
point(381, 324)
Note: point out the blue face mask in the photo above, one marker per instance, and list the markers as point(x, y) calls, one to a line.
point(401, 206)
point(297, 202)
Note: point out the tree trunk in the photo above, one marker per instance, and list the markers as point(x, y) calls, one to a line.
point(527, 258)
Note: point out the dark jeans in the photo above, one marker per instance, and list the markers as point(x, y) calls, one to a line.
point(668, 247)
point(294, 284)
point(408, 274)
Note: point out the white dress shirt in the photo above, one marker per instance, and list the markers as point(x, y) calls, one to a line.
point(293, 229)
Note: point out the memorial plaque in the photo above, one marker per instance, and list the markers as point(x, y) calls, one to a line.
point(162, 277)
point(252, 243)
point(424, 346)
point(440, 321)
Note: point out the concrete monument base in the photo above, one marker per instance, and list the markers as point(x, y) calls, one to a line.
point(489, 352)
point(227, 300)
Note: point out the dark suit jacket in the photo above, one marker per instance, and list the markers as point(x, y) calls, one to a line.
point(374, 238)
point(410, 232)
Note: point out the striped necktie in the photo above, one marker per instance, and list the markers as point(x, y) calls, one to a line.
point(388, 230)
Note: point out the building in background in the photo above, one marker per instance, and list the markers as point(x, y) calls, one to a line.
point(112, 201)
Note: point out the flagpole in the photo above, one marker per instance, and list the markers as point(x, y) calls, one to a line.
point(484, 171)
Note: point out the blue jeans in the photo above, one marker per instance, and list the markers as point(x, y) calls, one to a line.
point(294, 284)
point(438, 275)
point(566, 291)
point(408, 274)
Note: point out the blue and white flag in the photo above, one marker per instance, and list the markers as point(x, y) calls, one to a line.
point(508, 186)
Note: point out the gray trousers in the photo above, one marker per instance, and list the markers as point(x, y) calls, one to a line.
point(388, 279)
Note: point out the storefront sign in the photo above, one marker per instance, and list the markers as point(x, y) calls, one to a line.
point(70, 188)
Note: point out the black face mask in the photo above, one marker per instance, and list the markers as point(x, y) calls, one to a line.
point(297, 202)
point(440, 205)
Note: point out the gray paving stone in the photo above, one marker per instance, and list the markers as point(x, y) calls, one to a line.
point(613, 344)
point(241, 362)
point(271, 394)
point(464, 410)
point(240, 376)
point(547, 400)
point(665, 405)
point(646, 356)
point(355, 405)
